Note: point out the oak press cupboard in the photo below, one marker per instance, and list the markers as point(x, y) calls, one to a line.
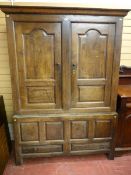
point(64, 67)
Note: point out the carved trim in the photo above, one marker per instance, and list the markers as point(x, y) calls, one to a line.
point(37, 30)
point(63, 10)
point(93, 29)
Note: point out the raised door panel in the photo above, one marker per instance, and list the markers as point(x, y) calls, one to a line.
point(92, 60)
point(91, 134)
point(79, 130)
point(29, 131)
point(38, 48)
point(41, 136)
point(103, 128)
point(54, 130)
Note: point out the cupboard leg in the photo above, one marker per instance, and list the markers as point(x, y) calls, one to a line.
point(18, 149)
point(18, 159)
point(111, 155)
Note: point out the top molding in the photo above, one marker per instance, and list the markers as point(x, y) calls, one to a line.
point(63, 10)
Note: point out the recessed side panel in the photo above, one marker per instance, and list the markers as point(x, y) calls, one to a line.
point(29, 131)
point(103, 128)
point(54, 131)
point(92, 54)
point(79, 129)
point(91, 93)
point(40, 95)
point(39, 54)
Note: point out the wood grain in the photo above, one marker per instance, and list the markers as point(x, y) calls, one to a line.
point(125, 57)
point(64, 63)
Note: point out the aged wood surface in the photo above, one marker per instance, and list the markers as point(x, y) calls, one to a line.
point(64, 70)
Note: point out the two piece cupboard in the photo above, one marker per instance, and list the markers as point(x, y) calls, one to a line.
point(64, 65)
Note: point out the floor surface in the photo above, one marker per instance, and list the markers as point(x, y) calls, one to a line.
point(75, 165)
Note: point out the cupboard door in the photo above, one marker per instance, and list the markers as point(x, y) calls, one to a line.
point(92, 60)
point(38, 47)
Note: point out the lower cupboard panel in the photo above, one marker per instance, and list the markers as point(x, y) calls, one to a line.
point(63, 135)
point(90, 146)
point(42, 149)
point(59, 148)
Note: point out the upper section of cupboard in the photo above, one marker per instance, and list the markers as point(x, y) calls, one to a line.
point(64, 59)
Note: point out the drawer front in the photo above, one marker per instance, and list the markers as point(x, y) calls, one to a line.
point(64, 134)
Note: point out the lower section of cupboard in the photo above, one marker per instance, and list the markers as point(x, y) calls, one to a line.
point(57, 134)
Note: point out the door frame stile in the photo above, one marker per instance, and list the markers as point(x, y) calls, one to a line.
point(66, 62)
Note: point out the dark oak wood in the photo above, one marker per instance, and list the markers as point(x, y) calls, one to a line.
point(64, 66)
point(123, 139)
point(5, 141)
point(4, 151)
point(3, 120)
